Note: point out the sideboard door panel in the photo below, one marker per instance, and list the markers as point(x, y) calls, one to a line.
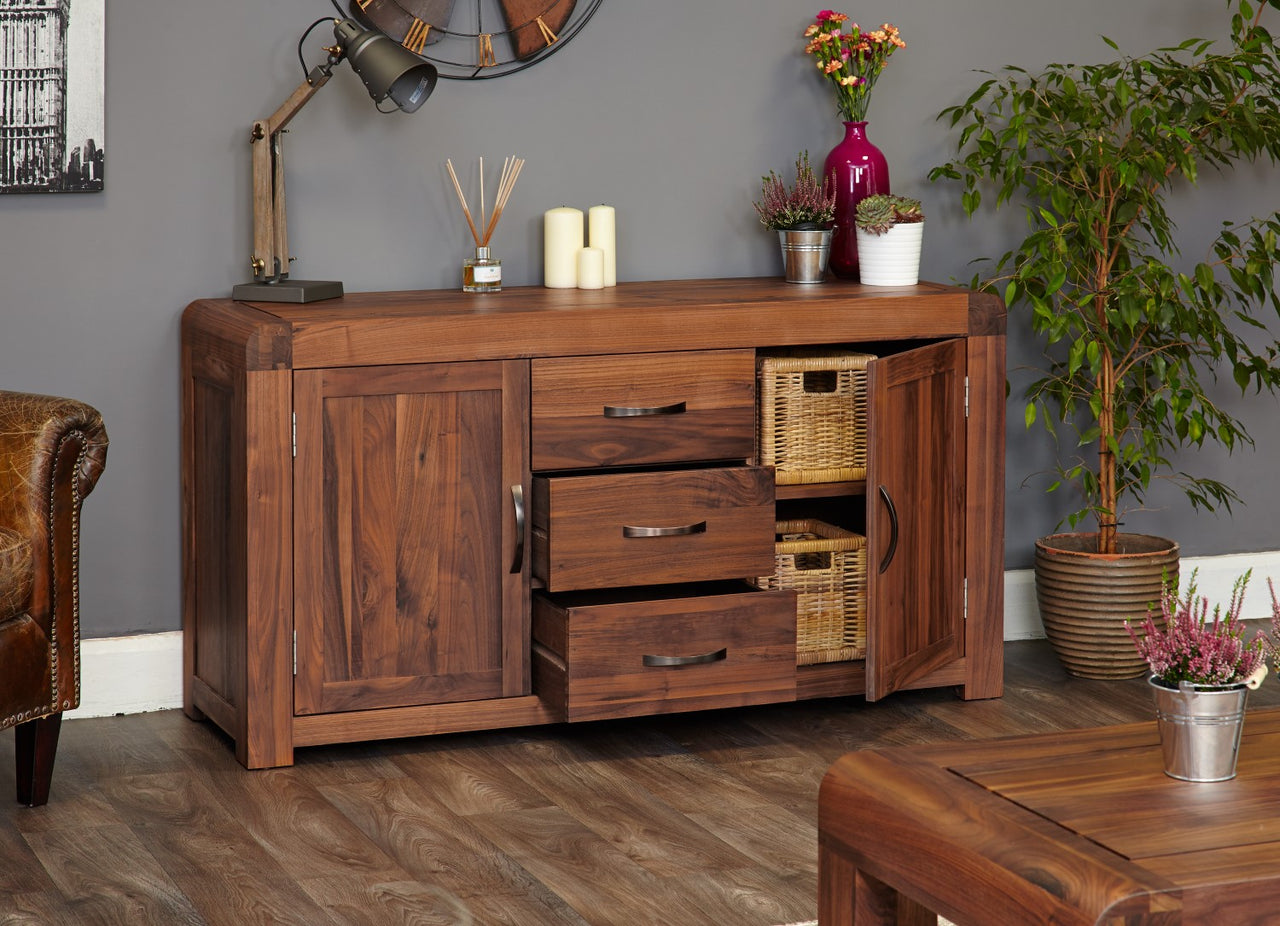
point(915, 520)
point(404, 535)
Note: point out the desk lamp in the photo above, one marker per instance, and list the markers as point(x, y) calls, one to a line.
point(388, 70)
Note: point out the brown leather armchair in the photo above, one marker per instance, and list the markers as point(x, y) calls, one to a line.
point(52, 452)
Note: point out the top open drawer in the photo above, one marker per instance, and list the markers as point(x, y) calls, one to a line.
point(641, 409)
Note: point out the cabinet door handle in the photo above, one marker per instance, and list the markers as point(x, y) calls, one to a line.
point(517, 501)
point(624, 411)
point(893, 529)
point(700, 659)
point(629, 530)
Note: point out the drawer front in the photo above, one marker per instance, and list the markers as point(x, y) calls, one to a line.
point(619, 529)
point(642, 409)
point(602, 659)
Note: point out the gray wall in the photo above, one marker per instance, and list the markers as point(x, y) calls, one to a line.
point(669, 110)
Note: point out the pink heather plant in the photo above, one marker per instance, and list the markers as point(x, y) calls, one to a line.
point(1186, 646)
point(850, 58)
point(808, 204)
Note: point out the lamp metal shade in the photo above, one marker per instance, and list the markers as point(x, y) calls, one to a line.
point(387, 69)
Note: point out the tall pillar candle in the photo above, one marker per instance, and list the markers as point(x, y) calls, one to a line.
point(602, 235)
point(562, 240)
point(590, 268)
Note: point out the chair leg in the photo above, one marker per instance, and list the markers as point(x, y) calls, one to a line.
point(36, 743)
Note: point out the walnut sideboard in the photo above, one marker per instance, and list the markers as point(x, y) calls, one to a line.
point(401, 510)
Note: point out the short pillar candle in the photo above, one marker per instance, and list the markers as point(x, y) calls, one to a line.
point(601, 233)
point(590, 268)
point(562, 240)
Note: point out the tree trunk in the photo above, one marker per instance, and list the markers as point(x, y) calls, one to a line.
point(1107, 502)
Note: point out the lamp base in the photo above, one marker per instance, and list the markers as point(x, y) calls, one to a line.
point(287, 290)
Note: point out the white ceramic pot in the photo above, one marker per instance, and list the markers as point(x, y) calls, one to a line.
point(891, 259)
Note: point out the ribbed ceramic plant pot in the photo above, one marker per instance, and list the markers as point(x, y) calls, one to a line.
point(1200, 729)
point(891, 258)
point(1085, 597)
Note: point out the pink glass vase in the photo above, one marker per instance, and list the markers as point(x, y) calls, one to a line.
point(860, 170)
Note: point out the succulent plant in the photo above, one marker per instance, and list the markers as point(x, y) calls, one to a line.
point(879, 212)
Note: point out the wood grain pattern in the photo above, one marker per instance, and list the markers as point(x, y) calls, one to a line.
point(579, 539)
point(246, 369)
point(712, 815)
point(533, 321)
point(984, 513)
point(601, 645)
point(915, 480)
point(398, 608)
point(716, 419)
point(1082, 826)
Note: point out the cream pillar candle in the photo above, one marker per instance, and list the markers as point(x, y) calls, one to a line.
point(602, 235)
point(562, 240)
point(591, 268)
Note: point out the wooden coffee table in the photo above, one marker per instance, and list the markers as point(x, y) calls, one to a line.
point(1075, 827)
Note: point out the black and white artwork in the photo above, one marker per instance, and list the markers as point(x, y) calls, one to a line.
point(51, 96)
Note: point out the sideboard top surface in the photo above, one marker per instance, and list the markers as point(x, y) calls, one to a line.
point(532, 321)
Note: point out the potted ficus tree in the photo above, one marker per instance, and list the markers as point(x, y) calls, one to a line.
point(1134, 336)
point(803, 215)
point(890, 230)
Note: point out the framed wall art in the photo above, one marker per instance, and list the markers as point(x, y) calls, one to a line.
point(51, 96)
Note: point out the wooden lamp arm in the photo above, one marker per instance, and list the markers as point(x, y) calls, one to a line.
point(270, 258)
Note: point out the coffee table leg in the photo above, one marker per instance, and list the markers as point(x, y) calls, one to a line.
point(849, 897)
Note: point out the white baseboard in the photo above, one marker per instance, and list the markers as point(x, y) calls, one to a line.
point(131, 675)
point(1216, 576)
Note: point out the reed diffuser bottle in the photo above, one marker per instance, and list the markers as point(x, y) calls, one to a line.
point(482, 273)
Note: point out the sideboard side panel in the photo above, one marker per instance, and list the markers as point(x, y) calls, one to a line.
point(984, 518)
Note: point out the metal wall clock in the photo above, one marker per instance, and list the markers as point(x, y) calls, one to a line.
point(478, 39)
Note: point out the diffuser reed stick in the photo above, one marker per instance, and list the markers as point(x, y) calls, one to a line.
point(511, 167)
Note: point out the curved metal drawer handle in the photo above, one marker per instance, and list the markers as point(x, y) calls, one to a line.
point(629, 530)
point(893, 529)
point(624, 411)
point(701, 659)
point(517, 500)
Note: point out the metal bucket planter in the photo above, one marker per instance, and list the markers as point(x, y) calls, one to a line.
point(1200, 729)
point(805, 253)
point(1085, 598)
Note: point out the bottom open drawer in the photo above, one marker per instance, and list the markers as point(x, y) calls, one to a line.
point(631, 652)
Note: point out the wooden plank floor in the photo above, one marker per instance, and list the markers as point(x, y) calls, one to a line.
point(696, 820)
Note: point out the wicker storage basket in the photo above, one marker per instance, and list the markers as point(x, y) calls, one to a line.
point(813, 416)
point(827, 568)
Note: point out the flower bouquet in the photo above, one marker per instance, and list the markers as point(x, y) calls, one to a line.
point(850, 58)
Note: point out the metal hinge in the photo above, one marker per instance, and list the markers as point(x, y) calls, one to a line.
point(966, 610)
point(295, 652)
point(966, 397)
point(294, 416)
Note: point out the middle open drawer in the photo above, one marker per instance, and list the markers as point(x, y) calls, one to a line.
point(648, 528)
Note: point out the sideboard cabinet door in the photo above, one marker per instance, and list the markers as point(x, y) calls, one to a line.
point(409, 583)
point(915, 514)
